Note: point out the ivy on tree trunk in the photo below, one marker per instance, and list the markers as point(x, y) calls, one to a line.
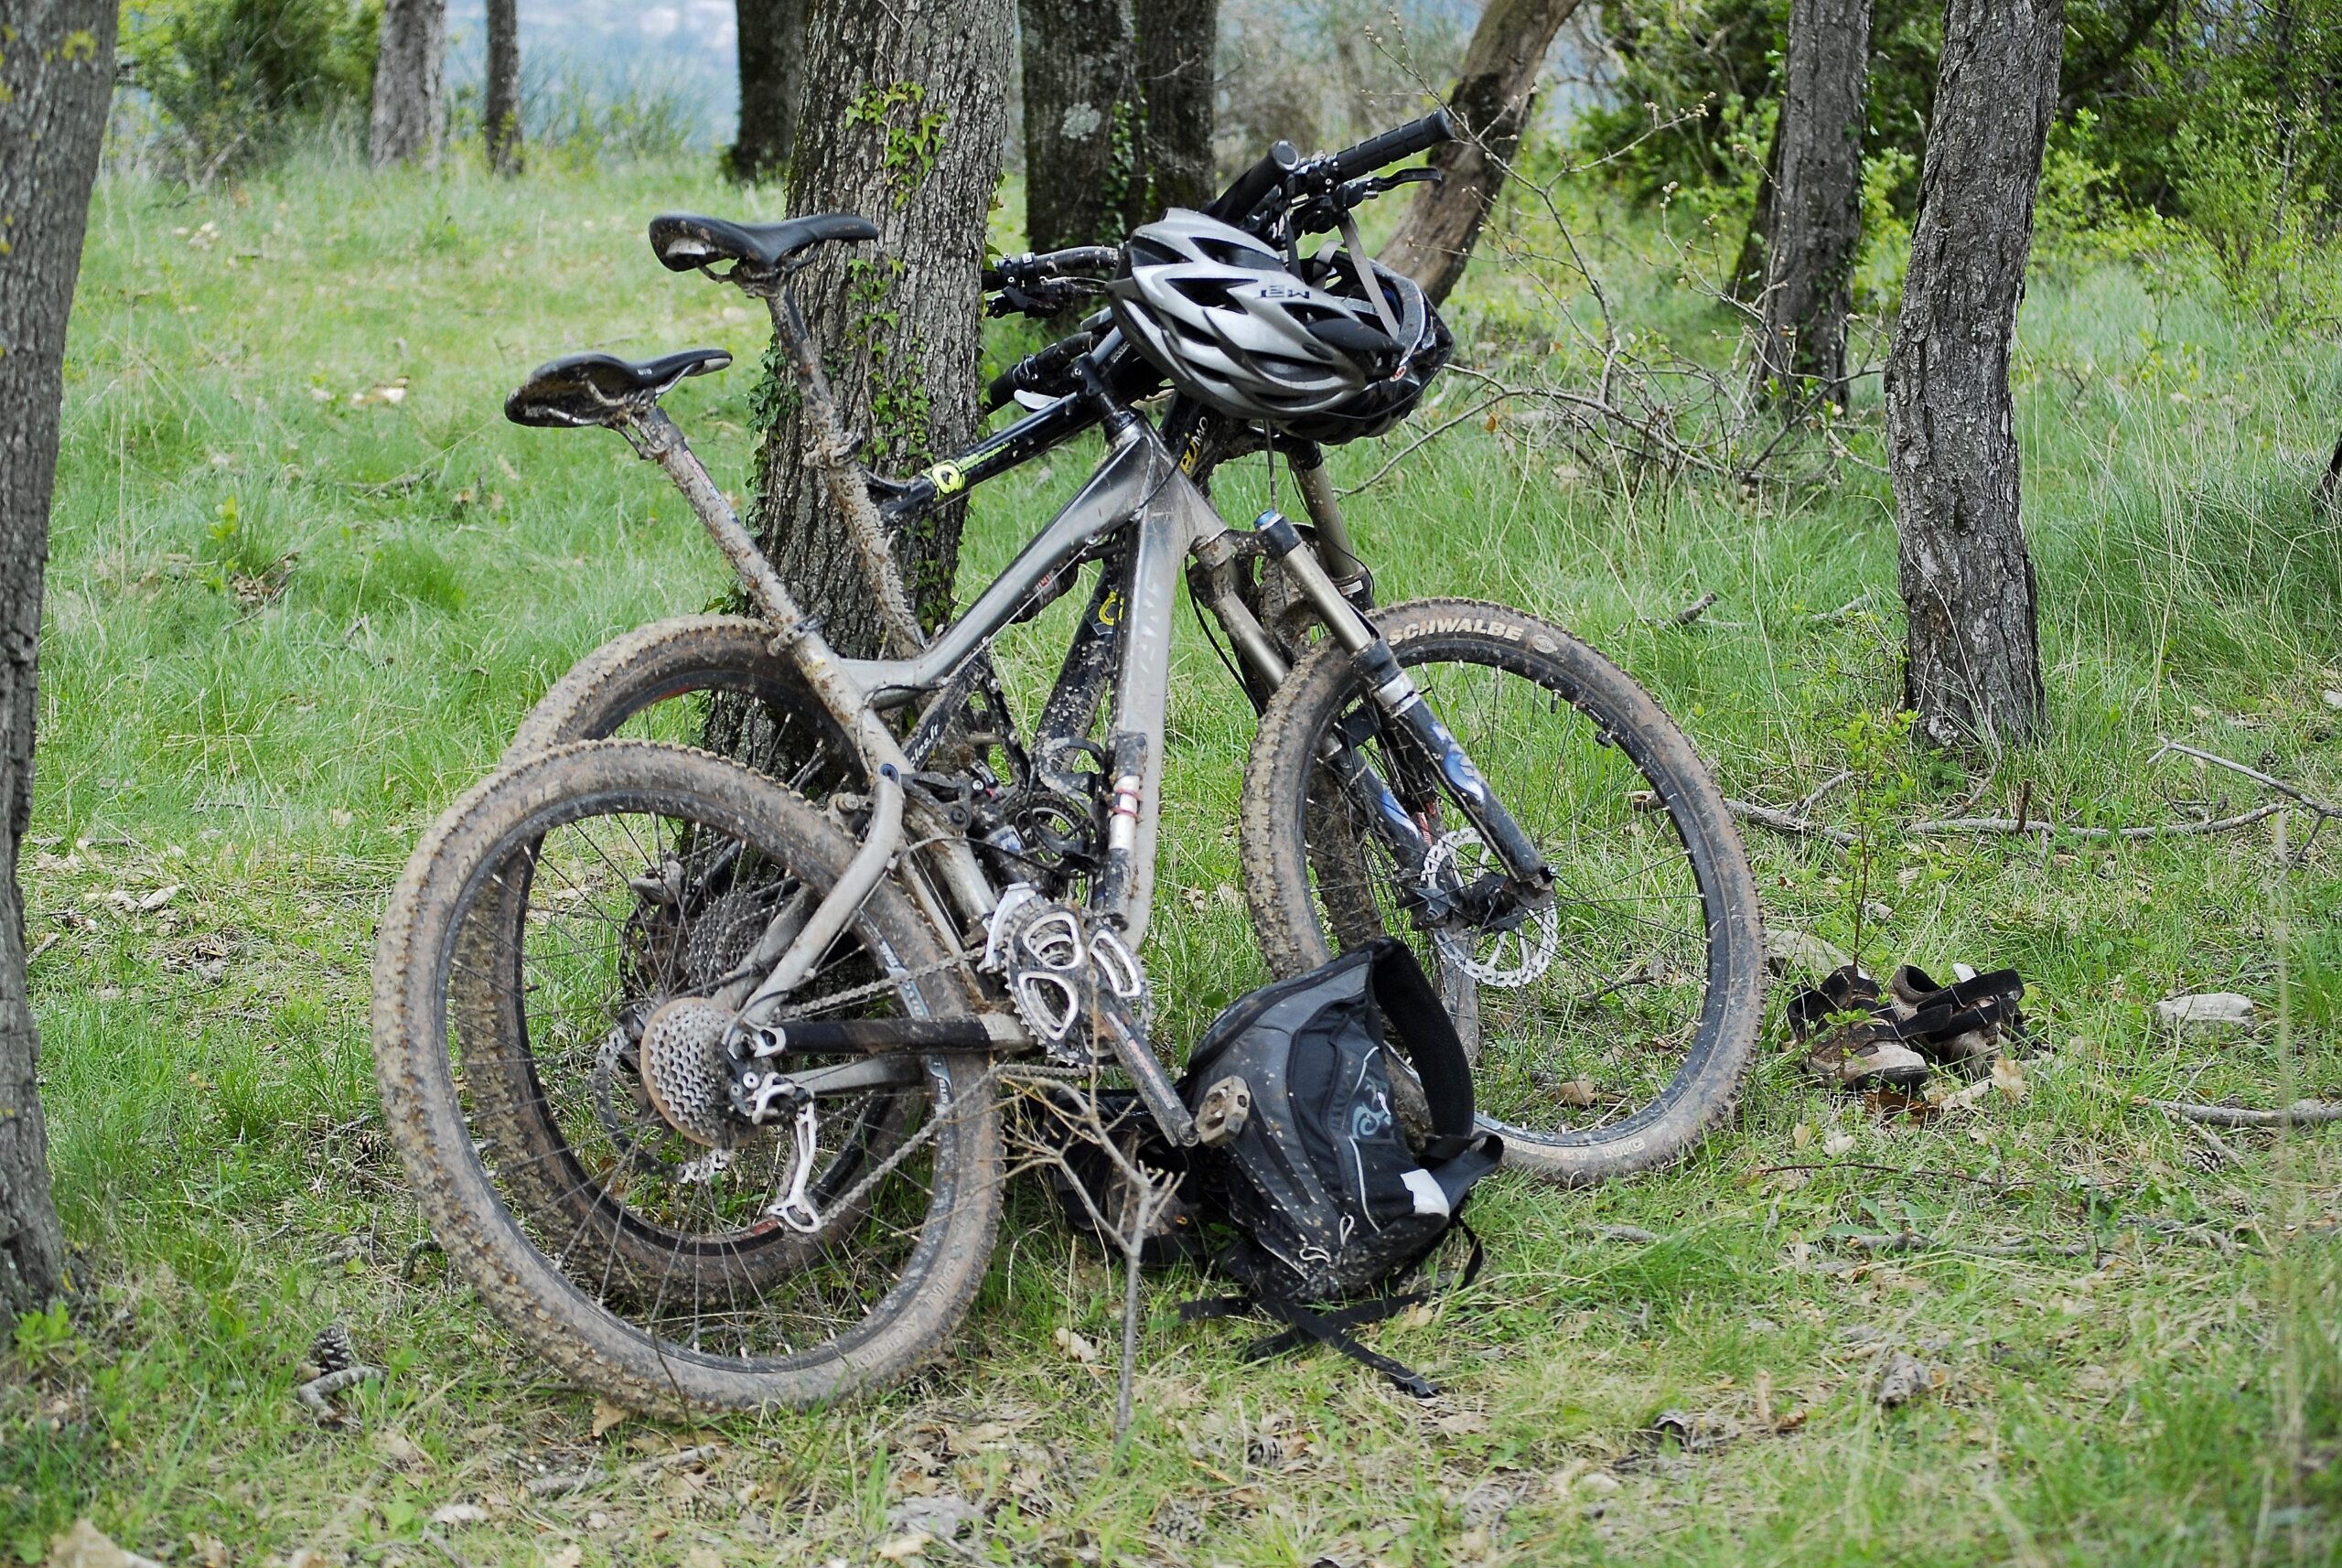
point(1974, 671)
point(56, 78)
point(905, 110)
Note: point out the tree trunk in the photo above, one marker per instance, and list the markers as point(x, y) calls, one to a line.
point(55, 80)
point(2330, 487)
point(503, 110)
point(1175, 44)
point(1975, 646)
point(1080, 124)
point(1492, 100)
point(904, 123)
point(1747, 282)
point(1817, 217)
point(773, 86)
point(408, 74)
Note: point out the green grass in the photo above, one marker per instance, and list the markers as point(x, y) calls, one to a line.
point(289, 618)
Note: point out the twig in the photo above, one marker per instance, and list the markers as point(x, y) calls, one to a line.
point(1994, 1183)
point(1805, 807)
point(1686, 616)
point(1913, 1242)
point(1796, 826)
point(1782, 821)
point(1634, 1233)
point(2172, 747)
point(576, 1480)
point(1423, 440)
point(2300, 1113)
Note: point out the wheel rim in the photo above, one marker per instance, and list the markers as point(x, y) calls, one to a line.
point(560, 944)
point(1607, 1022)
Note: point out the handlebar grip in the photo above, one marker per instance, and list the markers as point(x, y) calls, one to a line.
point(1400, 142)
point(1236, 203)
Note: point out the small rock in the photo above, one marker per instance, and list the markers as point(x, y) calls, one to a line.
point(2206, 1011)
point(1904, 1378)
point(1794, 951)
point(942, 1516)
point(2333, 699)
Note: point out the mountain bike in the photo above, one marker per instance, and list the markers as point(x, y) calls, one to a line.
point(698, 1068)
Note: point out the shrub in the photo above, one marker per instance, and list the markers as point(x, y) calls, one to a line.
point(229, 79)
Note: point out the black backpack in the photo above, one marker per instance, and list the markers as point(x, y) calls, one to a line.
point(1302, 1154)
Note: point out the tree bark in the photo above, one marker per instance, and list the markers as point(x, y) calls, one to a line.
point(1079, 121)
point(1175, 43)
point(1817, 210)
point(503, 108)
point(773, 86)
point(408, 74)
point(904, 123)
point(1493, 97)
point(1968, 585)
point(55, 80)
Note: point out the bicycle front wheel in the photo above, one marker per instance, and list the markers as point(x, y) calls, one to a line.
point(606, 1206)
point(1614, 1024)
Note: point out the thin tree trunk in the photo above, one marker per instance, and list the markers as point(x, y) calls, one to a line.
point(1492, 98)
point(56, 78)
point(1974, 645)
point(1817, 217)
point(503, 108)
point(2331, 486)
point(1079, 57)
point(408, 74)
point(1175, 43)
point(773, 86)
point(904, 123)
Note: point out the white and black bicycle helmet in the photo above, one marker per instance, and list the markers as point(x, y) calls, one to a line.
point(1218, 311)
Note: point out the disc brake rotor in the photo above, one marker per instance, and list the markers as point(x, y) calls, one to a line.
point(1509, 959)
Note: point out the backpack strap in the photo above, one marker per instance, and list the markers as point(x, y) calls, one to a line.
point(1427, 1034)
point(1308, 1325)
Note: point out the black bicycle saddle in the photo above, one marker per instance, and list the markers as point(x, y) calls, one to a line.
point(601, 389)
point(685, 241)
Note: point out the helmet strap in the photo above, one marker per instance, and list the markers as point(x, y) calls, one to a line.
point(1355, 247)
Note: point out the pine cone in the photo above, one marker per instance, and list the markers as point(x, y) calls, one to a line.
point(332, 1351)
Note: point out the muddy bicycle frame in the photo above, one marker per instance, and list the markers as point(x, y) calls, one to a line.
point(1144, 516)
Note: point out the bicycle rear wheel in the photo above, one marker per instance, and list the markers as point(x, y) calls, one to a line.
point(652, 1266)
point(1611, 1027)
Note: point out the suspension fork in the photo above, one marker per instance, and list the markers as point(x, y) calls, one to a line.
point(1395, 695)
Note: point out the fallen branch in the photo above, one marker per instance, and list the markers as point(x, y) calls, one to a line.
point(2300, 1113)
point(316, 1392)
point(1687, 615)
point(1796, 826)
point(1787, 823)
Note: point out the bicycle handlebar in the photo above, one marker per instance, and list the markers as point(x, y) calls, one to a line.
point(1236, 203)
point(1400, 142)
